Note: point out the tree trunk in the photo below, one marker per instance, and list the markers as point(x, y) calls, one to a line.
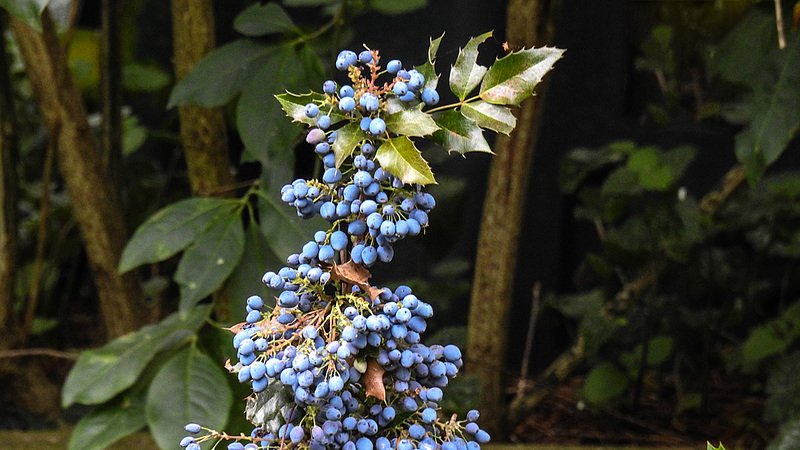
point(8, 197)
point(122, 302)
point(529, 24)
point(202, 129)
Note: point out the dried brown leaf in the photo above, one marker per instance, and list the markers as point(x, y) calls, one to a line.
point(373, 380)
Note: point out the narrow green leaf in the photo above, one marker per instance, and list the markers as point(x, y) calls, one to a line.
point(395, 7)
point(258, 257)
point(190, 388)
point(221, 74)
point(427, 69)
point(466, 73)
point(494, 117)
point(294, 105)
point(109, 423)
point(259, 117)
point(459, 133)
point(210, 259)
point(513, 78)
point(261, 20)
point(401, 157)
point(774, 108)
point(347, 139)
point(411, 122)
point(144, 78)
point(283, 229)
point(28, 11)
point(172, 229)
point(102, 373)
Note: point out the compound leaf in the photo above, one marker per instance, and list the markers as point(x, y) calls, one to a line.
point(401, 157)
point(466, 73)
point(104, 372)
point(459, 133)
point(210, 259)
point(172, 229)
point(190, 387)
point(513, 78)
point(494, 117)
point(261, 20)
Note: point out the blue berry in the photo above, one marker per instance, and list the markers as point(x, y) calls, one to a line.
point(377, 126)
point(324, 121)
point(329, 87)
point(429, 96)
point(393, 66)
point(365, 57)
point(347, 104)
point(400, 88)
point(311, 110)
point(192, 428)
point(346, 91)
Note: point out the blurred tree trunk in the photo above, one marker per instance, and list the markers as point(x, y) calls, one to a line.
point(8, 196)
point(203, 135)
point(530, 23)
point(203, 130)
point(122, 301)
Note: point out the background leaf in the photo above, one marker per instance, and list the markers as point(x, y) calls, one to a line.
point(466, 73)
point(28, 11)
point(259, 117)
point(257, 258)
point(513, 78)
point(459, 133)
point(220, 75)
point(261, 20)
point(172, 229)
point(400, 157)
point(102, 373)
point(190, 387)
point(108, 423)
point(603, 383)
point(396, 7)
point(210, 259)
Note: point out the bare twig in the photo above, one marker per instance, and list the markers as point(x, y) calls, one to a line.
point(72, 356)
point(526, 356)
point(779, 25)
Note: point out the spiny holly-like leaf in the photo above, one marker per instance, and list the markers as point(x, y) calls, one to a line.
point(104, 372)
point(210, 259)
point(295, 107)
point(411, 122)
point(261, 20)
point(494, 117)
point(466, 73)
point(512, 78)
point(401, 157)
point(347, 139)
point(172, 229)
point(459, 133)
point(427, 69)
point(222, 74)
point(373, 380)
point(190, 387)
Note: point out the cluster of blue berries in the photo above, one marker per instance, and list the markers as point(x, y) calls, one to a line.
point(338, 361)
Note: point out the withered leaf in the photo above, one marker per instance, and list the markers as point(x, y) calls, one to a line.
point(373, 380)
point(354, 273)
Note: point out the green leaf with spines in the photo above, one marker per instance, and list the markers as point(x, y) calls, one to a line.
point(259, 117)
point(220, 76)
point(401, 157)
point(190, 387)
point(774, 108)
point(110, 422)
point(512, 79)
point(348, 138)
point(487, 115)
point(261, 20)
point(459, 133)
point(466, 73)
point(411, 122)
point(427, 69)
point(294, 105)
point(210, 259)
point(172, 229)
point(28, 11)
point(395, 7)
point(104, 372)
